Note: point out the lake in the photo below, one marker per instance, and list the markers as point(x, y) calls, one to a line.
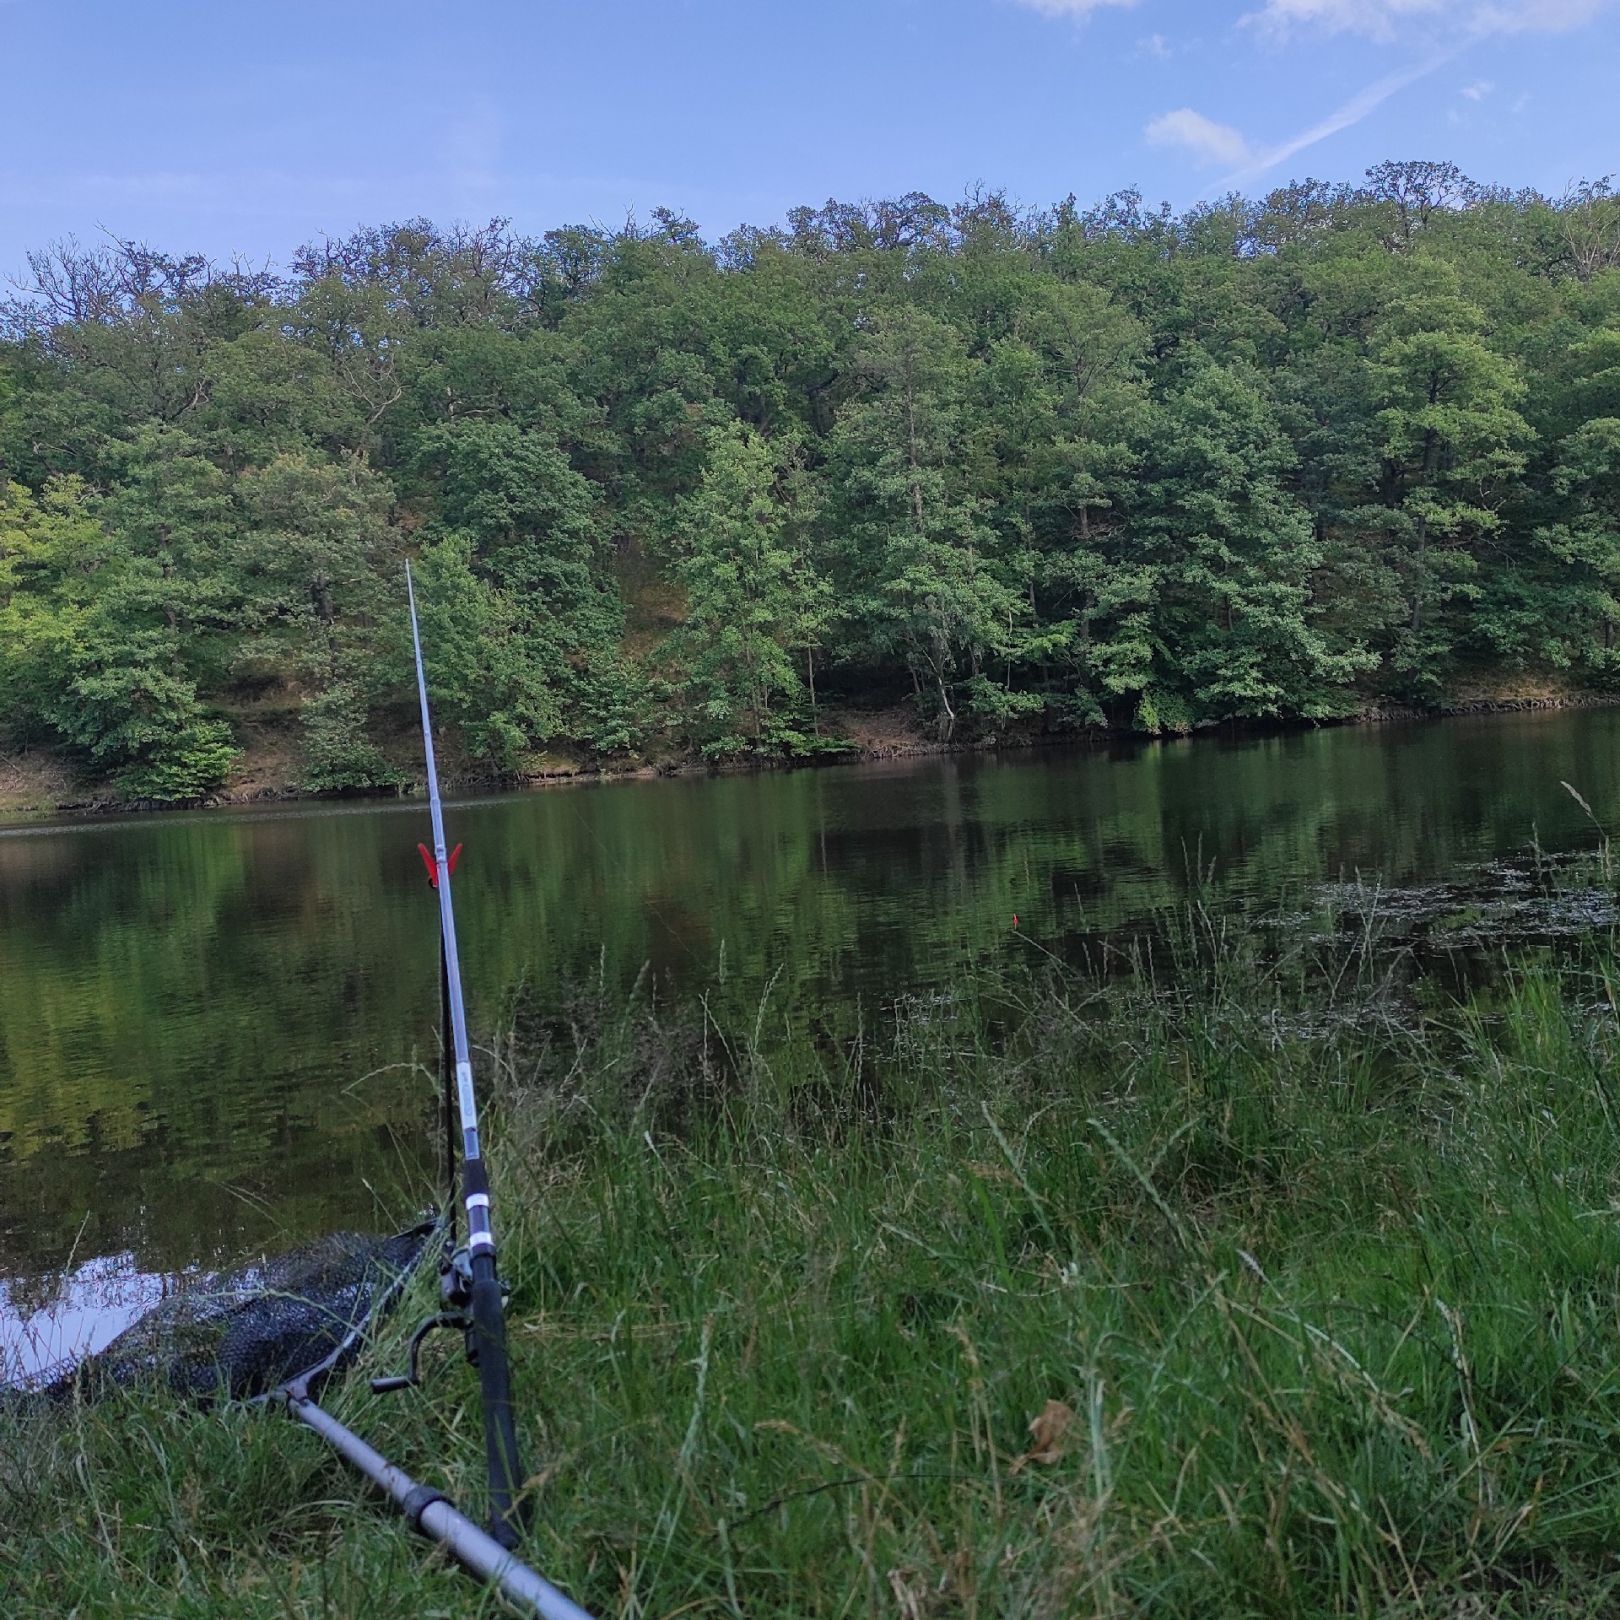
point(211, 1023)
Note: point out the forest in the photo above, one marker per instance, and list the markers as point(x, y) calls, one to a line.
point(1002, 472)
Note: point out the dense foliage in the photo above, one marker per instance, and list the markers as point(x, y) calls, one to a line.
point(1014, 470)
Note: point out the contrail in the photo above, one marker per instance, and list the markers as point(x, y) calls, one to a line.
point(1342, 117)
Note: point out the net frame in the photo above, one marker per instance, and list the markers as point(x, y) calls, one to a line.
point(250, 1334)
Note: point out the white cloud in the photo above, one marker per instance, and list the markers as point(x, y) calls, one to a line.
point(1377, 18)
point(1537, 16)
point(1342, 117)
point(1208, 141)
point(1070, 8)
point(1477, 91)
point(1386, 19)
point(1155, 45)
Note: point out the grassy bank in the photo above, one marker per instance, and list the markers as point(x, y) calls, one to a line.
point(1236, 1298)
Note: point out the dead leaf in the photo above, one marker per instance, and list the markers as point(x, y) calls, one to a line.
point(1047, 1429)
point(909, 1592)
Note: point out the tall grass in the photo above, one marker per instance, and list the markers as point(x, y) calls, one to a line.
point(1205, 1292)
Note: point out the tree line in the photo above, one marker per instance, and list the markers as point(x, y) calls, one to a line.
point(1014, 469)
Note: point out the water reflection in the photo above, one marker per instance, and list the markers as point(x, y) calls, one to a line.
point(208, 1022)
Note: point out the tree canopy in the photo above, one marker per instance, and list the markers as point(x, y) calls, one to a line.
point(1017, 470)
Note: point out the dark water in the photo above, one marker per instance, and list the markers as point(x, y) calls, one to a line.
point(208, 1022)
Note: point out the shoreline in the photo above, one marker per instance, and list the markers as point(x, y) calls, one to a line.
point(880, 744)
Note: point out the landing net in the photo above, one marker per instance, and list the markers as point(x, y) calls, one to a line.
point(244, 1334)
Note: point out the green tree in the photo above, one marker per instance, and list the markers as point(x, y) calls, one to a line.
point(48, 546)
point(916, 538)
point(532, 530)
point(322, 570)
point(90, 658)
point(175, 522)
point(1451, 439)
point(1584, 541)
point(1229, 554)
point(1082, 464)
point(483, 678)
point(752, 601)
point(1051, 465)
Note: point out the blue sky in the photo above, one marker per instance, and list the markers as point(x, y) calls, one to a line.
point(235, 128)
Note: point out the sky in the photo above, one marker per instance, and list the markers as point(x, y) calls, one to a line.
point(244, 130)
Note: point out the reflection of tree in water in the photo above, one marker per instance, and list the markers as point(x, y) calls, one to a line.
point(188, 1011)
point(188, 1005)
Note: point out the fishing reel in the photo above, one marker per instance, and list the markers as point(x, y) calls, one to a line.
point(455, 1298)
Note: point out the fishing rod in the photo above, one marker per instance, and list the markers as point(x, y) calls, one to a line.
point(470, 1286)
point(277, 1331)
point(472, 1279)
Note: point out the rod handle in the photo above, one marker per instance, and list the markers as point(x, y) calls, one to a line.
point(487, 1345)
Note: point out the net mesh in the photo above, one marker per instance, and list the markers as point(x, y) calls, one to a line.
point(246, 1333)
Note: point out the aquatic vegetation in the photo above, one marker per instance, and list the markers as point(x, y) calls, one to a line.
point(1534, 899)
